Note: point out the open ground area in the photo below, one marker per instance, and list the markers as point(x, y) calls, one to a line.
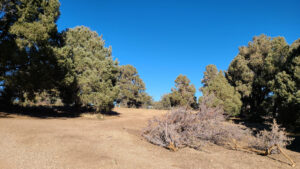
point(115, 142)
point(81, 83)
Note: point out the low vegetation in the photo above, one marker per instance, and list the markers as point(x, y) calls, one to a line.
point(183, 128)
point(266, 139)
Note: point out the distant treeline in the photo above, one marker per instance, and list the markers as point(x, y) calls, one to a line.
point(41, 66)
point(262, 81)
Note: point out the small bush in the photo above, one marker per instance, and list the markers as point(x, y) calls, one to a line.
point(183, 128)
point(265, 139)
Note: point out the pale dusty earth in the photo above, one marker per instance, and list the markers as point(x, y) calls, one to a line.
point(115, 142)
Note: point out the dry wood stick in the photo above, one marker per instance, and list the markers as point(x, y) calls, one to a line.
point(286, 156)
point(172, 147)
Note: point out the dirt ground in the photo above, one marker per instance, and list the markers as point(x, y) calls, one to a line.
point(115, 142)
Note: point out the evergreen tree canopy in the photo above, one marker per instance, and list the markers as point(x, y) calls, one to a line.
point(286, 88)
point(266, 73)
point(164, 102)
point(215, 83)
point(27, 37)
point(210, 73)
point(253, 68)
point(184, 93)
point(132, 88)
point(90, 72)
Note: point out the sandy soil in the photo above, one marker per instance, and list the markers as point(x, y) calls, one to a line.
point(116, 142)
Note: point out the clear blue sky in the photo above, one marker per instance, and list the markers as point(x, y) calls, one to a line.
point(165, 38)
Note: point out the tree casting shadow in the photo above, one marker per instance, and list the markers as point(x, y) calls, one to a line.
point(45, 112)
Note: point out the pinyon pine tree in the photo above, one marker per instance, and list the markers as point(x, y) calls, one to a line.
point(215, 83)
point(183, 94)
point(132, 88)
point(286, 89)
point(90, 72)
point(27, 37)
point(164, 102)
point(253, 69)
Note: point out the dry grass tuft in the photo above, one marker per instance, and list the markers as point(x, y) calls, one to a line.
point(92, 116)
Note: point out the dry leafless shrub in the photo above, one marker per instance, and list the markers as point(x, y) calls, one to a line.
point(170, 128)
point(266, 139)
point(181, 127)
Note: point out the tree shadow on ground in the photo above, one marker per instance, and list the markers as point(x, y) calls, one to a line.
point(4, 115)
point(111, 113)
point(295, 146)
point(45, 112)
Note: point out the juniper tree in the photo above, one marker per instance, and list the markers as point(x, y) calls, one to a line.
point(226, 96)
point(90, 71)
point(132, 88)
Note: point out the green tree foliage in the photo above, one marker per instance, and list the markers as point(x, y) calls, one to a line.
point(266, 73)
point(210, 73)
point(253, 68)
point(147, 101)
point(215, 83)
point(164, 103)
point(286, 88)
point(90, 72)
point(27, 37)
point(132, 89)
point(49, 98)
point(183, 94)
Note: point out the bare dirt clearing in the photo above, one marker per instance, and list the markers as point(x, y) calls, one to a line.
point(116, 142)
